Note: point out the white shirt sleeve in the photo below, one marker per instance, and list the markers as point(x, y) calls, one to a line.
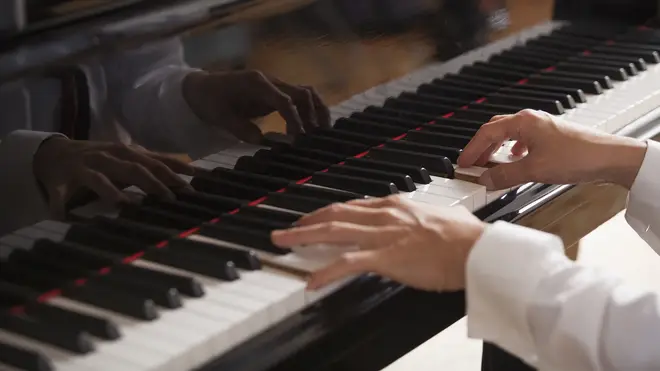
point(145, 90)
point(22, 201)
point(526, 296)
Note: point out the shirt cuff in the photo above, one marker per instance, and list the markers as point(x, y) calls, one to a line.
point(504, 269)
point(643, 204)
point(22, 199)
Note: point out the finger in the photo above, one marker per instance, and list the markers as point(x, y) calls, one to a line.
point(394, 201)
point(322, 111)
point(155, 168)
point(102, 186)
point(350, 264)
point(506, 175)
point(485, 157)
point(128, 172)
point(176, 165)
point(518, 149)
point(279, 101)
point(348, 213)
point(332, 233)
point(491, 133)
point(302, 99)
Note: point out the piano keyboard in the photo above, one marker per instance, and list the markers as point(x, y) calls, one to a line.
point(170, 285)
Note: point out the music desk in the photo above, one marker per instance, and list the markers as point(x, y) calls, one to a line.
point(613, 246)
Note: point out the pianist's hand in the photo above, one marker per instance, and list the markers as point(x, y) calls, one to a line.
point(556, 152)
point(418, 245)
point(232, 100)
point(66, 168)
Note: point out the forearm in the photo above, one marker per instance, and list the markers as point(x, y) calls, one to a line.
point(526, 296)
point(21, 197)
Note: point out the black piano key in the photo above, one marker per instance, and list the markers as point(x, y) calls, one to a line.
point(630, 68)
point(649, 56)
point(639, 63)
point(615, 73)
point(481, 88)
point(87, 260)
point(24, 359)
point(450, 92)
point(491, 72)
point(443, 128)
point(120, 243)
point(604, 81)
point(313, 154)
point(105, 298)
point(99, 327)
point(179, 207)
point(634, 46)
point(58, 335)
point(244, 236)
point(344, 147)
point(270, 214)
point(476, 115)
point(252, 221)
point(449, 140)
point(223, 270)
point(238, 176)
point(421, 107)
point(131, 229)
point(275, 140)
point(566, 99)
point(336, 133)
point(355, 184)
point(398, 117)
point(265, 167)
point(227, 188)
point(445, 151)
point(334, 195)
point(241, 258)
point(215, 202)
point(161, 218)
point(416, 173)
point(576, 94)
point(440, 165)
point(402, 181)
point(20, 295)
point(462, 104)
point(368, 127)
point(292, 160)
point(524, 60)
point(289, 201)
point(473, 125)
point(551, 106)
point(588, 86)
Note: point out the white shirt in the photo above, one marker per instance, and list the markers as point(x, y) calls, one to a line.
point(136, 96)
point(526, 296)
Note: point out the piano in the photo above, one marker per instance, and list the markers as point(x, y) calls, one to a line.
point(196, 283)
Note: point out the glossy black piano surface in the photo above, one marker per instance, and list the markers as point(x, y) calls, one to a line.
point(341, 48)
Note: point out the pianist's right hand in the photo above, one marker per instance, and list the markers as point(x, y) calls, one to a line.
point(554, 152)
point(66, 168)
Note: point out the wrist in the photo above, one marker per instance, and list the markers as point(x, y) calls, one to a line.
point(622, 160)
point(45, 155)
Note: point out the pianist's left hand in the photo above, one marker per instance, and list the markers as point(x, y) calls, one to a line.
point(232, 100)
point(418, 245)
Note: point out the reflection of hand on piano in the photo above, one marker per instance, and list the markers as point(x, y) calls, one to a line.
point(232, 100)
point(557, 153)
point(420, 245)
point(64, 167)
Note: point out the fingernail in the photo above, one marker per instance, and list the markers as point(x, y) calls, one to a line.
point(487, 181)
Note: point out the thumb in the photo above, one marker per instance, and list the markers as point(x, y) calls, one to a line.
point(57, 203)
point(505, 175)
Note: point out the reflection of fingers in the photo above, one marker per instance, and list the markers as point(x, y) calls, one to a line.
point(102, 186)
point(333, 233)
point(302, 98)
point(154, 166)
point(322, 111)
point(352, 263)
point(127, 172)
point(349, 213)
point(278, 100)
